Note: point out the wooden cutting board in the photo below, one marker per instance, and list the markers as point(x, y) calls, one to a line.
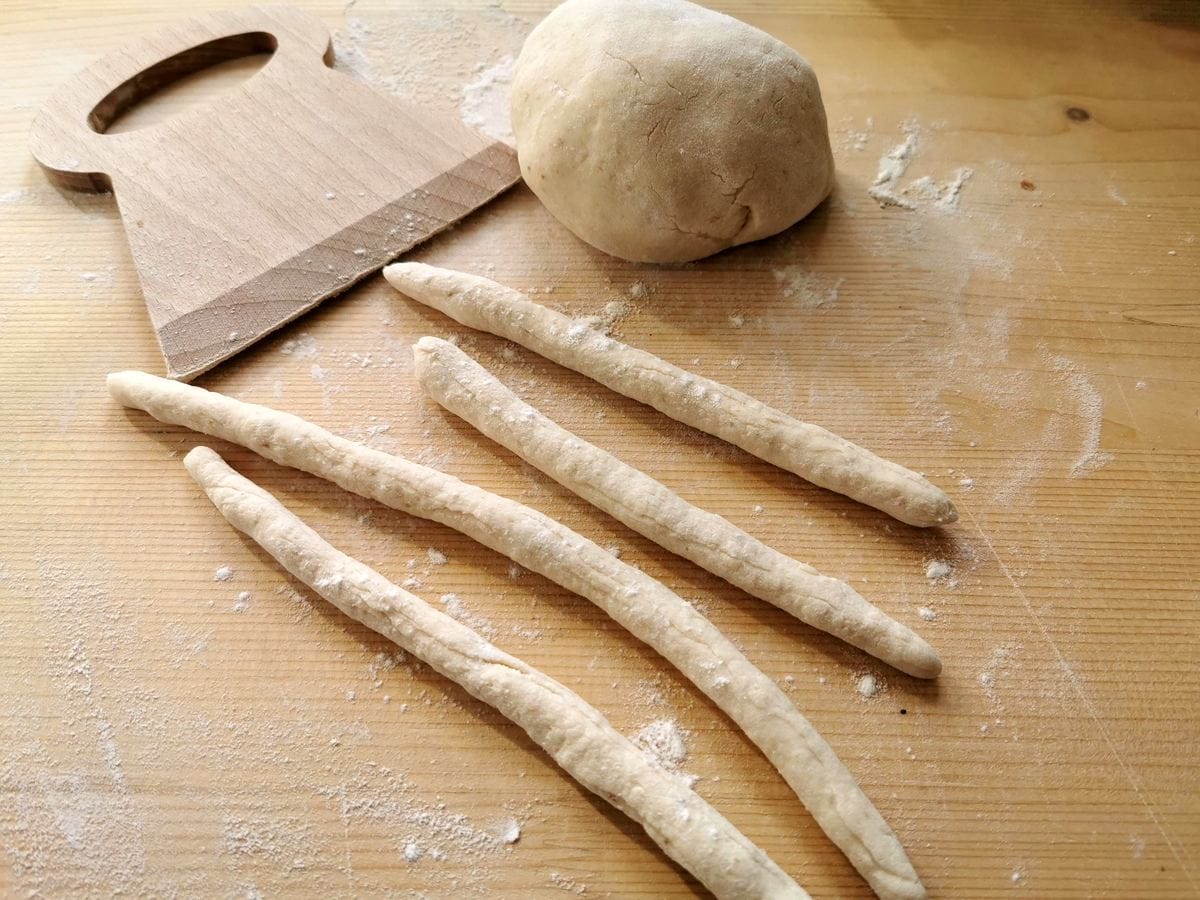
point(247, 212)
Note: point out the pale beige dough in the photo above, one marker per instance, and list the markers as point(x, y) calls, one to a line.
point(660, 131)
point(558, 720)
point(800, 447)
point(468, 390)
point(645, 607)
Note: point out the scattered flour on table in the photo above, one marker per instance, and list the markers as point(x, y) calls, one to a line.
point(951, 192)
point(1137, 846)
point(998, 667)
point(190, 641)
point(565, 883)
point(945, 196)
point(329, 387)
point(371, 433)
point(440, 59)
point(458, 610)
point(1054, 413)
point(381, 665)
point(74, 825)
point(868, 685)
point(485, 100)
point(648, 694)
point(95, 280)
point(927, 614)
point(299, 603)
point(224, 573)
point(847, 137)
point(526, 633)
point(423, 830)
point(665, 741)
point(813, 290)
point(987, 260)
point(892, 166)
point(937, 569)
point(289, 841)
point(922, 192)
point(612, 314)
point(71, 824)
point(436, 557)
point(1090, 405)
point(507, 831)
point(242, 603)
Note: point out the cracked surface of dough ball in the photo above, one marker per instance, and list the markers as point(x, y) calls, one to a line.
point(660, 131)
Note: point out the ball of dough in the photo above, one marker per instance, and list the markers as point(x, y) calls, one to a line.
point(660, 131)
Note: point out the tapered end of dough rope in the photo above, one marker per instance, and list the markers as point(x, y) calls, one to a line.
point(850, 616)
point(228, 490)
point(860, 623)
point(200, 459)
point(207, 468)
point(908, 496)
point(941, 507)
point(123, 385)
point(413, 278)
point(422, 351)
point(923, 661)
point(442, 288)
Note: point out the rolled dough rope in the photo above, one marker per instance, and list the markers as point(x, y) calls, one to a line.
point(650, 508)
point(665, 621)
point(800, 447)
point(562, 723)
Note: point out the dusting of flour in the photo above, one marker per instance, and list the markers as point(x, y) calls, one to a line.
point(454, 62)
point(812, 290)
point(485, 100)
point(892, 166)
point(664, 740)
point(922, 192)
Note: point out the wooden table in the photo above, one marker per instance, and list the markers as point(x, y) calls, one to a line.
point(180, 718)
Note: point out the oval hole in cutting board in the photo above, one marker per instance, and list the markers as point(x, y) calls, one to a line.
point(187, 80)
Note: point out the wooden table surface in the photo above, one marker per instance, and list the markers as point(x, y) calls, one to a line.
point(179, 718)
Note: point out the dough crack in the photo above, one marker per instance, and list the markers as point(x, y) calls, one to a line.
point(636, 73)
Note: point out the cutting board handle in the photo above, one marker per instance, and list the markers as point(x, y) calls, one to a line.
point(67, 137)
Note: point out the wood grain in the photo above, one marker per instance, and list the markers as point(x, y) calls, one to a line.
point(250, 210)
point(1031, 351)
